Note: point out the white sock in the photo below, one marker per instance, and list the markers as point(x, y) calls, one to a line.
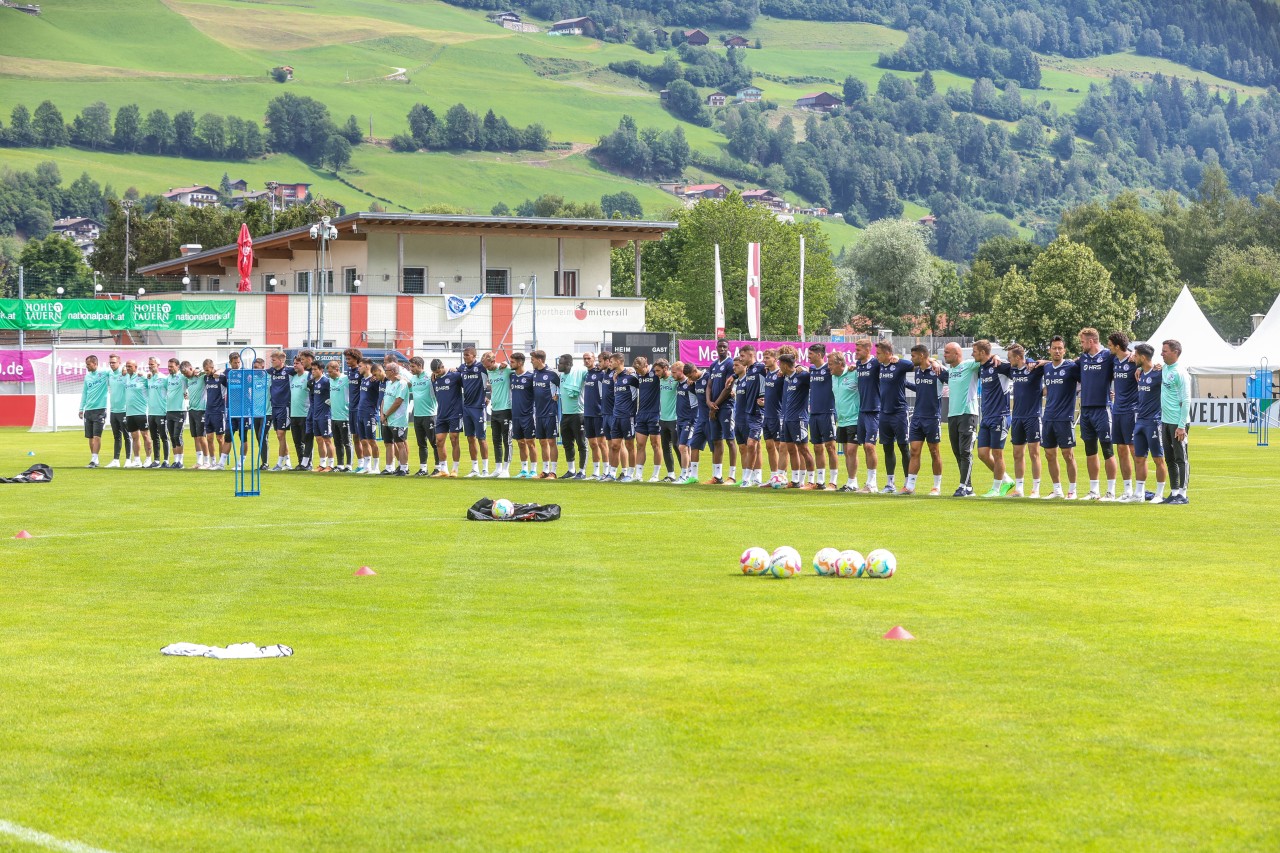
point(1017, 484)
point(995, 486)
point(811, 476)
point(1128, 487)
point(1159, 490)
point(224, 459)
point(1111, 487)
point(1035, 485)
point(596, 470)
point(871, 479)
point(1093, 486)
point(1057, 488)
point(822, 476)
point(717, 471)
point(733, 472)
point(757, 475)
point(911, 481)
point(937, 481)
point(147, 461)
point(455, 467)
point(795, 477)
point(573, 467)
point(832, 473)
point(888, 481)
point(1071, 490)
point(694, 469)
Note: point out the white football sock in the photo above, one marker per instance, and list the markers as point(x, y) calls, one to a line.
point(911, 481)
point(717, 470)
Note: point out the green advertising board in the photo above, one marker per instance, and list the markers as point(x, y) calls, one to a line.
point(159, 315)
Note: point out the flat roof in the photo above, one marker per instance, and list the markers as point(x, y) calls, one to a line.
point(360, 224)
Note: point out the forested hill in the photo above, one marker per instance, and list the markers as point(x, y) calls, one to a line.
point(1235, 39)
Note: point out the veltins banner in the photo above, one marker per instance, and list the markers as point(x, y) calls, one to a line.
point(160, 315)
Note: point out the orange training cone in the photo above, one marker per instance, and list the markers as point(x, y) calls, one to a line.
point(898, 633)
point(22, 534)
point(365, 571)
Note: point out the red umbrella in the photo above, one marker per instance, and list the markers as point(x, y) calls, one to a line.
point(245, 259)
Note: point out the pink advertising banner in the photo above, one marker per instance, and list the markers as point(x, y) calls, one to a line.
point(16, 365)
point(703, 352)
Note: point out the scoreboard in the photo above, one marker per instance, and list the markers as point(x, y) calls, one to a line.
point(651, 345)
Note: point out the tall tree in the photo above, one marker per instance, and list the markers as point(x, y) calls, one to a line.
point(895, 272)
point(1239, 282)
point(128, 135)
point(49, 128)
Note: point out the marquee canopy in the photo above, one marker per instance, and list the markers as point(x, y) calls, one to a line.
point(1265, 341)
point(1203, 349)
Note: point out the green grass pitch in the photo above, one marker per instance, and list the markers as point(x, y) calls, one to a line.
point(1085, 676)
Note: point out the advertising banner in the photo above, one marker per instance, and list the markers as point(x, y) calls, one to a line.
point(703, 352)
point(1228, 411)
point(15, 365)
point(160, 315)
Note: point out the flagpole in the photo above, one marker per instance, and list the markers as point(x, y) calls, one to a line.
point(800, 316)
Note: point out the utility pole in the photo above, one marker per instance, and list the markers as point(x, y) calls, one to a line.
point(127, 204)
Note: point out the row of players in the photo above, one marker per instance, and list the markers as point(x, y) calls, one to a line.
point(802, 417)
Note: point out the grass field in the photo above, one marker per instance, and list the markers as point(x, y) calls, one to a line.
point(1096, 676)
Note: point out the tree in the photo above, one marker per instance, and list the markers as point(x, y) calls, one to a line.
point(500, 209)
point(184, 133)
point(157, 133)
point(404, 142)
point(83, 198)
point(664, 315)
point(21, 131)
point(92, 128)
point(211, 132)
point(1065, 290)
point(49, 128)
point(621, 204)
point(854, 90)
point(337, 152)
point(53, 262)
point(299, 125)
point(1239, 282)
point(461, 128)
point(685, 102)
point(128, 136)
point(351, 131)
point(425, 128)
point(894, 269)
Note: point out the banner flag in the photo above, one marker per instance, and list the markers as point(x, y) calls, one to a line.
point(719, 297)
point(800, 315)
point(460, 306)
point(244, 260)
point(160, 315)
point(753, 290)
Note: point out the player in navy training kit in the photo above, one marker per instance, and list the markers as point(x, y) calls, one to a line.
point(771, 415)
point(320, 418)
point(622, 437)
point(1097, 367)
point(795, 422)
point(278, 375)
point(926, 419)
point(1061, 379)
point(648, 418)
point(868, 370)
point(686, 413)
point(698, 431)
point(993, 385)
point(720, 406)
point(447, 385)
point(1024, 426)
point(592, 419)
point(1124, 405)
point(215, 411)
point(1146, 436)
point(475, 394)
point(822, 418)
point(748, 418)
point(605, 383)
point(546, 412)
point(893, 409)
point(522, 430)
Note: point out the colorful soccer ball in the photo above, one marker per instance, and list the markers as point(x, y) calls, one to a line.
point(778, 482)
point(784, 563)
point(824, 562)
point(881, 564)
point(503, 509)
point(754, 561)
point(851, 564)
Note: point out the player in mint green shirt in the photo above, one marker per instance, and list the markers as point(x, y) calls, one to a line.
point(844, 387)
point(573, 433)
point(93, 406)
point(116, 399)
point(194, 380)
point(156, 414)
point(422, 395)
point(395, 417)
point(299, 404)
point(1175, 412)
point(500, 405)
point(135, 409)
point(340, 413)
point(962, 412)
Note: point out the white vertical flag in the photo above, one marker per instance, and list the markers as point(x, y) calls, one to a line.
point(719, 297)
point(800, 316)
point(753, 290)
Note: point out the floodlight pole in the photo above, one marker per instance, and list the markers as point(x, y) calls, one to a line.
point(127, 204)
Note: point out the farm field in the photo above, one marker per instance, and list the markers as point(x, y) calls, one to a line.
point(1095, 675)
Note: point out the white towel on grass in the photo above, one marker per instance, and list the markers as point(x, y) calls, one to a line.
point(238, 651)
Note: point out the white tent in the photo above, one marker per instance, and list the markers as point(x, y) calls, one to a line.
point(1203, 349)
point(1264, 342)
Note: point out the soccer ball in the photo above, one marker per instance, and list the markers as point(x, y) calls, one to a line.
point(784, 563)
point(881, 564)
point(778, 482)
point(851, 564)
point(754, 561)
point(824, 562)
point(503, 509)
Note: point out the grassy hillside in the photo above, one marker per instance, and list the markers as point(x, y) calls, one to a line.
point(215, 55)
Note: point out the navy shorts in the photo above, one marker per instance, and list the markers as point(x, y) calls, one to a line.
point(280, 417)
point(448, 425)
point(868, 427)
point(1122, 426)
point(1060, 435)
point(748, 430)
point(195, 419)
point(215, 424)
point(772, 426)
point(822, 428)
point(522, 428)
point(847, 434)
point(1095, 424)
point(927, 430)
point(1024, 431)
point(795, 432)
point(1146, 439)
point(593, 427)
point(321, 426)
point(720, 424)
point(547, 428)
point(682, 433)
point(992, 435)
point(698, 436)
point(621, 428)
point(893, 429)
point(473, 423)
point(94, 419)
point(647, 427)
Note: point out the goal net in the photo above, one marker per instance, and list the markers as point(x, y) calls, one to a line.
point(58, 377)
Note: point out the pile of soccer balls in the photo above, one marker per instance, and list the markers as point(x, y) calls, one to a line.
point(785, 562)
